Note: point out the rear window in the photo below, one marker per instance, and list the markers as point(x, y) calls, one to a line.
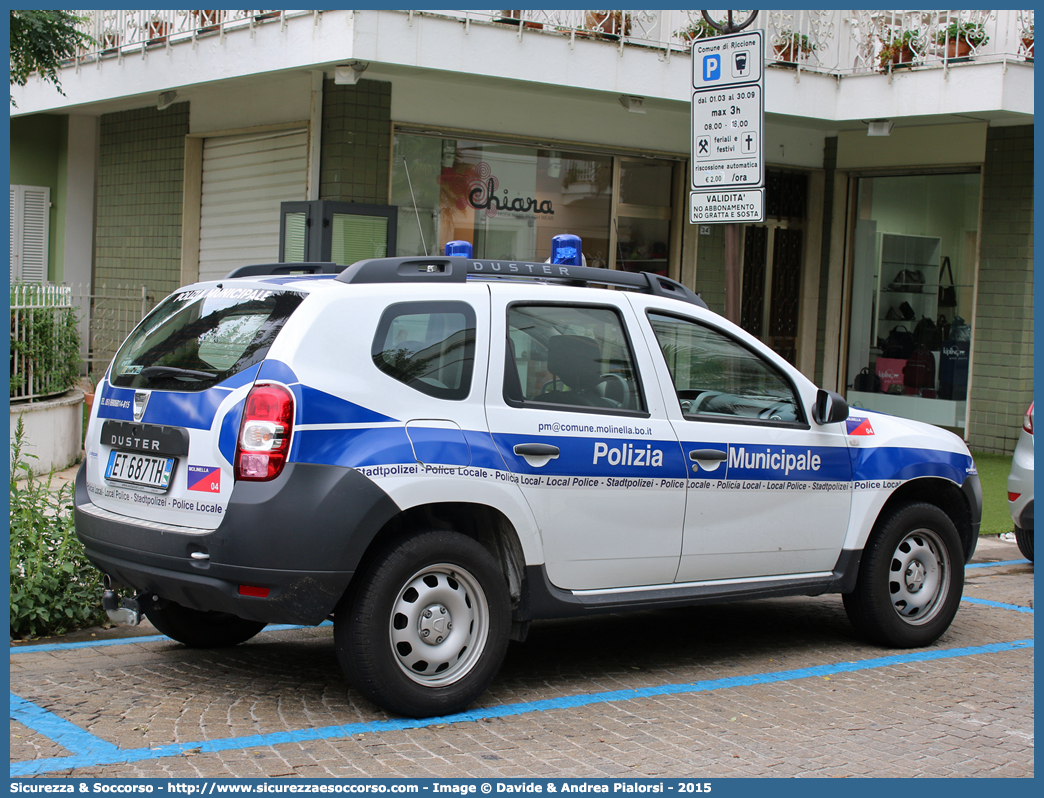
point(196, 339)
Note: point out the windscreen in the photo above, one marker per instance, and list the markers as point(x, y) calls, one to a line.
point(198, 338)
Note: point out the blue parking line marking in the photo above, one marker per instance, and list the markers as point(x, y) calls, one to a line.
point(126, 641)
point(998, 604)
point(101, 753)
point(68, 735)
point(995, 564)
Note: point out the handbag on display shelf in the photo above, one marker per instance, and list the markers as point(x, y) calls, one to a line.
point(928, 334)
point(947, 293)
point(866, 381)
point(909, 280)
point(960, 330)
point(919, 371)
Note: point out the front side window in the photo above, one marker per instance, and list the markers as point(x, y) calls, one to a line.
point(716, 377)
point(571, 357)
point(429, 346)
point(195, 339)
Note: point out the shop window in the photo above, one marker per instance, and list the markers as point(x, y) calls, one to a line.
point(510, 200)
point(913, 273)
point(772, 254)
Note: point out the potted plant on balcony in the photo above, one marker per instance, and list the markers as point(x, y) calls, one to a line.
point(790, 46)
point(960, 38)
point(157, 29)
point(207, 21)
point(697, 29)
point(897, 49)
point(608, 24)
point(1027, 42)
point(110, 41)
point(514, 17)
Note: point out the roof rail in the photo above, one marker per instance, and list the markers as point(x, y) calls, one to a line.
point(443, 269)
point(259, 269)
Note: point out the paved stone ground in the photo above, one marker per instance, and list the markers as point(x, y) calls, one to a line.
point(960, 716)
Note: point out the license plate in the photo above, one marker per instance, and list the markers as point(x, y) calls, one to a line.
point(143, 470)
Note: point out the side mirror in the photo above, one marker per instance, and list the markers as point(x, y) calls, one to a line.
point(829, 408)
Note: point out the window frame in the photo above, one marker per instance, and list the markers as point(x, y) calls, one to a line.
point(535, 405)
point(416, 308)
point(801, 423)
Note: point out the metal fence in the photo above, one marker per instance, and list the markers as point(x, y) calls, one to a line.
point(109, 314)
point(836, 42)
point(43, 332)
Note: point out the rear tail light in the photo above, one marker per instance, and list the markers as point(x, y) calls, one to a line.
point(1027, 422)
point(1013, 497)
point(264, 434)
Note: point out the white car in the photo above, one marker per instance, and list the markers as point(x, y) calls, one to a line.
point(1020, 487)
point(436, 451)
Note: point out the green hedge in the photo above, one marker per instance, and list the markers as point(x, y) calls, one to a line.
point(54, 589)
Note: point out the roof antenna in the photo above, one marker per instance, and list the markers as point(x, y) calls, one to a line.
point(419, 228)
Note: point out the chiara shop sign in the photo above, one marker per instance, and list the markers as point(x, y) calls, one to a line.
point(485, 198)
point(477, 187)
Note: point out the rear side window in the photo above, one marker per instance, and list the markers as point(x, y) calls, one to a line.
point(574, 357)
point(196, 339)
point(429, 346)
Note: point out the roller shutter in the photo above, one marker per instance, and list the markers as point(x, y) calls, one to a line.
point(245, 178)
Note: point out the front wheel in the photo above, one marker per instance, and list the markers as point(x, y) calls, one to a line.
point(199, 629)
point(1024, 537)
point(910, 578)
point(425, 627)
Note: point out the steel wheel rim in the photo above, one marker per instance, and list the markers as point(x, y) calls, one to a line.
point(439, 624)
point(919, 577)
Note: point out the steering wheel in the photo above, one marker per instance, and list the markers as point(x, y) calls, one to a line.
point(783, 411)
point(622, 388)
point(698, 402)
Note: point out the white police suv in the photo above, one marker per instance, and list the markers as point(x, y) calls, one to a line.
point(436, 451)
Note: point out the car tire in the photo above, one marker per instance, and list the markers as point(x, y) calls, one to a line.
point(424, 627)
point(911, 577)
point(1024, 537)
point(199, 629)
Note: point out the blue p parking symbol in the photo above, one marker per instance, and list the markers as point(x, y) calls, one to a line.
point(712, 67)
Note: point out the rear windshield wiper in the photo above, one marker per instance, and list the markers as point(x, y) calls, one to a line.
point(175, 372)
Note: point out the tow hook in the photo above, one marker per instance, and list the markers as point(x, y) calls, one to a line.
point(128, 611)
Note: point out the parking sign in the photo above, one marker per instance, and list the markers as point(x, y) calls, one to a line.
point(728, 120)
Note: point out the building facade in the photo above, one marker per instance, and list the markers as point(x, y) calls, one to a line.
point(188, 143)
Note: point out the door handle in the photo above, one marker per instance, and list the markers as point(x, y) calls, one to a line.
point(536, 450)
point(708, 454)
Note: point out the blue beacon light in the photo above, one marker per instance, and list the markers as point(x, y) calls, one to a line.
point(566, 250)
point(458, 248)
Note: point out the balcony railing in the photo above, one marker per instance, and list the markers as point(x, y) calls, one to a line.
point(826, 41)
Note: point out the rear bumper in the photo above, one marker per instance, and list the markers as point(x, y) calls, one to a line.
point(301, 536)
point(1024, 518)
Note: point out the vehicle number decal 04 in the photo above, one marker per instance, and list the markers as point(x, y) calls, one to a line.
point(142, 470)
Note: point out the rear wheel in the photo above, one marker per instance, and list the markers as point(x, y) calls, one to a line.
point(199, 629)
point(425, 627)
point(910, 578)
point(1024, 537)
